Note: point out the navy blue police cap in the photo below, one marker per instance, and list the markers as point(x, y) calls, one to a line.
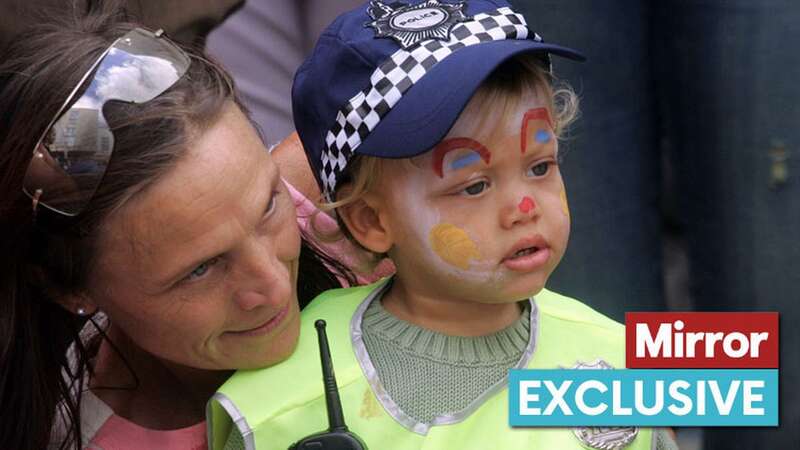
point(390, 79)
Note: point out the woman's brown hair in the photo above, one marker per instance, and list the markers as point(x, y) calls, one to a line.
point(44, 257)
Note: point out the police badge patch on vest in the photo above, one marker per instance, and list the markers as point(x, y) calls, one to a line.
point(603, 438)
point(412, 24)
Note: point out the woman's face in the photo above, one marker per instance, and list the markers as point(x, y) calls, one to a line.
point(200, 268)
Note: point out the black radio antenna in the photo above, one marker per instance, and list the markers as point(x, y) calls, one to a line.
point(332, 401)
point(337, 437)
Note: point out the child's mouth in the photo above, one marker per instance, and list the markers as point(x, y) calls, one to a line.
point(524, 252)
point(527, 255)
point(527, 259)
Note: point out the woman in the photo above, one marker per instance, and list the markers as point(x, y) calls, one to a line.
point(158, 225)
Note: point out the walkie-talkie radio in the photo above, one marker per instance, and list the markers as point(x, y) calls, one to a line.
point(337, 437)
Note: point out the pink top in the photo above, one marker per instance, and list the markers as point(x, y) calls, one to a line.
point(119, 434)
point(313, 221)
point(105, 430)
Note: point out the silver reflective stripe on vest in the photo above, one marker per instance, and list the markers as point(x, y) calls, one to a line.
point(371, 374)
point(238, 419)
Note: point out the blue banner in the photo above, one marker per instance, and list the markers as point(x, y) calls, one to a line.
point(643, 397)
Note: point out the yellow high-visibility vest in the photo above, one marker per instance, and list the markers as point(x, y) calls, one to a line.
point(274, 407)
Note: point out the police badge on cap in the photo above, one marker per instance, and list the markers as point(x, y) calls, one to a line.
point(412, 24)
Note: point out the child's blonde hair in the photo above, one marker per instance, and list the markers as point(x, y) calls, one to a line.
point(504, 88)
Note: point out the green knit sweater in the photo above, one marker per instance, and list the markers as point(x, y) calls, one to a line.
point(429, 374)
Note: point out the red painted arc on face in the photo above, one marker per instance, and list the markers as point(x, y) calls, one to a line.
point(526, 205)
point(455, 144)
point(533, 114)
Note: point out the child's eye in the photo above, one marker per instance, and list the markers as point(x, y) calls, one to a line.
point(539, 169)
point(202, 269)
point(476, 188)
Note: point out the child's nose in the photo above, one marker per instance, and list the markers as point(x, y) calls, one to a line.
point(523, 209)
point(526, 205)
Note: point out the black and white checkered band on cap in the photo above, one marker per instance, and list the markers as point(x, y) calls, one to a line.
point(396, 75)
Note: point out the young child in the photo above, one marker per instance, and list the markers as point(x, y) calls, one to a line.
point(433, 131)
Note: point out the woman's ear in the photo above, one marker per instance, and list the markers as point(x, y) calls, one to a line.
point(79, 304)
point(364, 220)
point(76, 303)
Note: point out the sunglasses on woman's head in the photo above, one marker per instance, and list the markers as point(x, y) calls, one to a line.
point(73, 152)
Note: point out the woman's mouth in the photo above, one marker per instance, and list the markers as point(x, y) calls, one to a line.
point(267, 326)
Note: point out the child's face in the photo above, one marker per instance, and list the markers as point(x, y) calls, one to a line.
point(483, 216)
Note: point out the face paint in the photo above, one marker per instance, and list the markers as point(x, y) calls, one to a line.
point(526, 205)
point(464, 161)
point(542, 136)
point(541, 114)
point(456, 144)
point(443, 248)
point(564, 205)
point(453, 245)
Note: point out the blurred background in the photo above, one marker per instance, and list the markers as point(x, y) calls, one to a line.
point(682, 173)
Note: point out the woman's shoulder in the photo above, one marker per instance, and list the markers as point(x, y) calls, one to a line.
point(94, 414)
point(120, 434)
point(101, 429)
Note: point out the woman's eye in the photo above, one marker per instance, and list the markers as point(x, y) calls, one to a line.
point(540, 169)
point(202, 269)
point(475, 189)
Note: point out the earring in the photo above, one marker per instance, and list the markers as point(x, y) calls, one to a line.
point(35, 199)
point(81, 311)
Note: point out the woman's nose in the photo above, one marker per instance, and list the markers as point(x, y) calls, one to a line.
point(262, 279)
point(519, 210)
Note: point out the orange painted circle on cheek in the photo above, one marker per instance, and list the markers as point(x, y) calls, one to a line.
point(453, 245)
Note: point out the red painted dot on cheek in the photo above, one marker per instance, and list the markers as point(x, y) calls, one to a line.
point(526, 205)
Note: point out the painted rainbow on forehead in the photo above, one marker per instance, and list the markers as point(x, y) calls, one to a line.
point(450, 145)
point(542, 136)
